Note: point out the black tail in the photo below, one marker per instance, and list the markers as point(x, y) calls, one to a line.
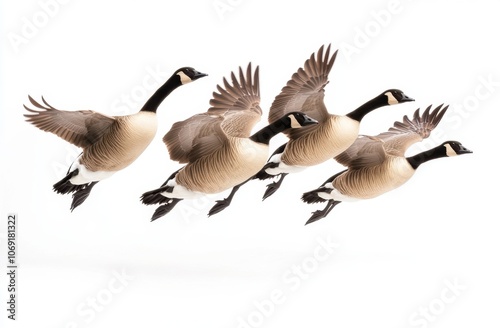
point(311, 197)
point(262, 174)
point(154, 196)
point(64, 186)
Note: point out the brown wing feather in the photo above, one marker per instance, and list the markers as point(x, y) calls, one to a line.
point(81, 128)
point(180, 140)
point(365, 151)
point(305, 90)
point(404, 134)
point(369, 151)
point(242, 95)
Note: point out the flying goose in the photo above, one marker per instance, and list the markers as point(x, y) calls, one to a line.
point(216, 146)
point(110, 143)
point(315, 144)
point(378, 164)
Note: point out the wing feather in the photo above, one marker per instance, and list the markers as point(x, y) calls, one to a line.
point(81, 128)
point(369, 151)
point(305, 90)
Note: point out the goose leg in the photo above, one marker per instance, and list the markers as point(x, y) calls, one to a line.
point(222, 204)
point(165, 209)
point(273, 187)
point(317, 215)
point(81, 195)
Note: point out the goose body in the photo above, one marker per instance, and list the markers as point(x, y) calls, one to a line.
point(354, 185)
point(322, 143)
point(109, 143)
point(377, 165)
point(217, 147)
point(241, 159)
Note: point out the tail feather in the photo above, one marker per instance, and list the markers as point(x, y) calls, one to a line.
point(311, 197)
point(154, 196)
point(263, 175)
point(64, 186)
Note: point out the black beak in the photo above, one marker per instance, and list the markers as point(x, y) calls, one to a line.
point(197, 75)
point(309, 121)
point(405, 98)
point(464, 150)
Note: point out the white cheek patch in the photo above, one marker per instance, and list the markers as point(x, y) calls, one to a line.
point(184, 78)
point(294, 124)
point(392, 100)
point(450, 151)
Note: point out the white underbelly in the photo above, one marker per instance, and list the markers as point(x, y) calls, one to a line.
point(225, 168)
point(336, 195)
point(181, 192)
point(282, 167)
point(85, 175)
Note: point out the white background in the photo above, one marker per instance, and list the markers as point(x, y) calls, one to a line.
point(395, 254)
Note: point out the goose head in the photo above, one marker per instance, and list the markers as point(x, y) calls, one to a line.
point(388, 97)
point(296, 120)
point(446, 149)
point(454, 148)
point(188, 74)
point(395, 96)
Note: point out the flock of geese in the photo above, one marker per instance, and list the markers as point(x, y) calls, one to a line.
point(219, 151)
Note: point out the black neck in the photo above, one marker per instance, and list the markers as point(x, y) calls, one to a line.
point(367, 107)
point(425, 156)
point(264, 135)
point(156, 99)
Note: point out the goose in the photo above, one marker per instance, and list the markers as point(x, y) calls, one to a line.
point(216, 146)
point(315, 144)
point(377, 164)
point(109, 143)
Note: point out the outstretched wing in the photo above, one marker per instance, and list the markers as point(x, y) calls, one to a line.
point(404, 134)
point(180, 140)
point(81, 128)
point(235, 111)
point(304, 92)
point(369, 151)
point(238, 103)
